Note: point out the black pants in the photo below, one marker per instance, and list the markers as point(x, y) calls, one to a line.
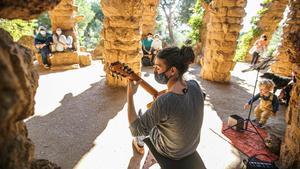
point(255, 57)
point(45, 51)
point(192, 161)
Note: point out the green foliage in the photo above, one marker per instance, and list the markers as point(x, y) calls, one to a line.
point(89, 29)
point(17, 27)
point(84, 9)
point(262, 11)
point(185, 10)
point(275, 41)
point(264, 2)
point(44, 20)
point(196, 22)
point(244, 41)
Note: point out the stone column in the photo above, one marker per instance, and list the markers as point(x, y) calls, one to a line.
point(223, 27)
point(290, 149)
point(269, 20)
point(149, 16)
point(18, 84)
point(64, 17)
point(122, 35)
point(283, 66)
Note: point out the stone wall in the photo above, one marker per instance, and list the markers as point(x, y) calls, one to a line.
point(18, 84)
point(223, 27)
point(290, 149)
point(122, 35)
point(269, 20)
point(149, 16)
point(283, 66)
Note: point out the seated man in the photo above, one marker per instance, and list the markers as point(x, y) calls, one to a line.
point(146, 44)
point(61, 42)
point(42, 42)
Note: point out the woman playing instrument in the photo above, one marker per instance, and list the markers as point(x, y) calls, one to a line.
point(172, 125)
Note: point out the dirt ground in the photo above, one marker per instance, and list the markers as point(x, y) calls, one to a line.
point(81, 123)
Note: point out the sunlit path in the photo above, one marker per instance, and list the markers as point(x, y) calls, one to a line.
point(81, 123)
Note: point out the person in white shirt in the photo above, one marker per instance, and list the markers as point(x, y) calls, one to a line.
point(61, 42)
point(156, 46)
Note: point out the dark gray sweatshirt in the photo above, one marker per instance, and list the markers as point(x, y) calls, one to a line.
point(174, 122)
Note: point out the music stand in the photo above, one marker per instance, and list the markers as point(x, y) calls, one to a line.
point(260, 66)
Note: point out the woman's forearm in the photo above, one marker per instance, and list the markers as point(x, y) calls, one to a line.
point(132, 116)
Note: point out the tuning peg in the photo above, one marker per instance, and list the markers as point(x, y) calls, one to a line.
point(112, 75)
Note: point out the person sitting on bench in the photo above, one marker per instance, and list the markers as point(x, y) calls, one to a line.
point(172, 125)
point(146, 44)
point(61, 42)
point(42, 42)
point(155, 46)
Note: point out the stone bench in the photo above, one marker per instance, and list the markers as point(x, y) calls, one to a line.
point(85, 58)
point(67, 60)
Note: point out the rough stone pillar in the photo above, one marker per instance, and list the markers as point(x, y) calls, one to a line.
point(290, 149)
point(64, 17)
point(223, 28)
point(283, 66)
point(149, 16)
point(269, 20)
point(122, 35)
point(18, 84)
point(17, 89)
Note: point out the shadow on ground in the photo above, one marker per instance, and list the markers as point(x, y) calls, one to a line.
point(71, 129)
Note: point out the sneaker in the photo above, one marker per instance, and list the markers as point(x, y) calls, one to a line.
point(46, 66)
point(138, 148)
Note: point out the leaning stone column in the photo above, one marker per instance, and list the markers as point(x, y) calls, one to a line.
point(149, 16)
point(269, 20)
point(283, 66)
point(63, 16)
point(122, 35)
point(223, 28)
point(290, 149)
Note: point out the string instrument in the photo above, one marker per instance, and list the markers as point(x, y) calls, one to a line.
point(120, 69)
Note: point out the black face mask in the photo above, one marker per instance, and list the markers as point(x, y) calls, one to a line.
point(161, 78)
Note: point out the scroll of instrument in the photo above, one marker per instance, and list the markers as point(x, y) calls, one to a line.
point(120, 69)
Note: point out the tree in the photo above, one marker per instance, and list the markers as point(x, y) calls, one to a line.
point(185, 10)
point(168, 7)
point(93, 28)
point(18, 27)
point(196, 22)
point(84, 9)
